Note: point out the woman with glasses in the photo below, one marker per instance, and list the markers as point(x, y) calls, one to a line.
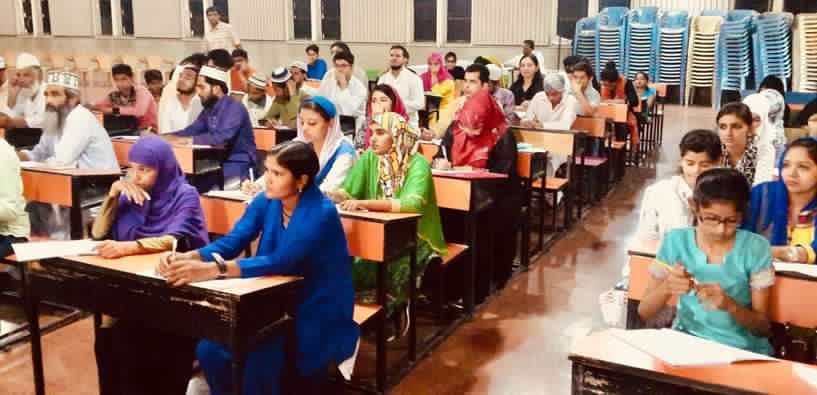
point(783, 211)
point(717, 276)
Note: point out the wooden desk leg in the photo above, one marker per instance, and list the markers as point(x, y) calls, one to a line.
point(413, 305)
point(543, 194)
point(470, 267)
point(524, 248)
point(380, 349)
point(32, 304)
point(76, 221)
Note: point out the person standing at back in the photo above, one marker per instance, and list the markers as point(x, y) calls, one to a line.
point(407, 84)
point(218, 34)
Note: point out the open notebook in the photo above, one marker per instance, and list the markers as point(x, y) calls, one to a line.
point(800, 268)
point(680, 349)
point(33, 251)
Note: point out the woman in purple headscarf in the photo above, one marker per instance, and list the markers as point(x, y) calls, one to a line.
point(148, 212)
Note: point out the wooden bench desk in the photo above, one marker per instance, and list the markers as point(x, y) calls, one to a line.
point(616, 112)
point(65, 187)
point(235, 312)
point(601, 363)
point(266, 138)
point(196, 161)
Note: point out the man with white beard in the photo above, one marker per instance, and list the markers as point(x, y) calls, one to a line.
point(25, 100)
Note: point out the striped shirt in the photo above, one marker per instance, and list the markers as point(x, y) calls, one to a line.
point(222, 36)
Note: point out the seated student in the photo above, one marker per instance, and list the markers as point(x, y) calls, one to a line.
point(774, 83)
point(319, 126)
point(551, 108)
point(316, 67)
point(241, 71)
point(641, 83)
point(529, 82)
point(504, 97)
point(569, 63)
point(477, 78)
point(438, 81)
point(300, 235)
point(383, 99)
point(150, 211)
point(298, 71)
point(479, 139)
point(807, 118)
point(393, 177)
point(14, 224)
point(742, 149)
point(791, 199)
point(587, 97)
point(763, 129)
point(720, 274)
point(224, 121)
point(180, 105)
point(347, 92)
point(451, 65)
point(528, 49)
point(776, 124)
point(155, 83)
point(284, 110)
point(616, 87)
point(129, 99)
point(256, 100)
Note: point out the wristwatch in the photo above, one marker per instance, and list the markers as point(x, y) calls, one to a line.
point(222, 266)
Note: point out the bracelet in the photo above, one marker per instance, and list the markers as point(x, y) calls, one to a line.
point(793, 255)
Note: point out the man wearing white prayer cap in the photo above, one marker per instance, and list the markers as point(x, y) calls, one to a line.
point(25, 95)
point(504, 97)
point(224, 122)
point(76, 139)
point(256, 100)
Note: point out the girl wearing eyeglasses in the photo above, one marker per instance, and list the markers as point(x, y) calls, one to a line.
point(717, 275)
point(784, 210)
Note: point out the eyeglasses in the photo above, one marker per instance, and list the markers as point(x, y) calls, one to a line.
point(714, 220)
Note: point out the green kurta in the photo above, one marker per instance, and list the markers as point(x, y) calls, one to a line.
point(415, 196)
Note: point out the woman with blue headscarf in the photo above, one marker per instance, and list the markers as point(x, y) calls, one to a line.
point(784, 210)
point(148, 212)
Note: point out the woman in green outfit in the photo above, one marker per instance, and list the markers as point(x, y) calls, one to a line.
point(393, 177)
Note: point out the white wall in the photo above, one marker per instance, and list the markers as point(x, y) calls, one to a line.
point(77, 17)
point(8, 23)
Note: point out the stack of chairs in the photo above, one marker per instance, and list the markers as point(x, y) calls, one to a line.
point(671, 59)
point(641, 42)
point(611, 37)
point(733, 56)
point(805, 53)
point(584, 39)
point(771, 46)
point(700, 71)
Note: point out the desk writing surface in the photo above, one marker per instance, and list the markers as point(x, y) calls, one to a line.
point(184, 153)
point(765, 377)
point(54, 186)
point(616, 112)
point(142, 264)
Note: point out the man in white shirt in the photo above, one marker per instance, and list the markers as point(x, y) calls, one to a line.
point(25, 95)
point(528, 48)
point(178, 110)
point(256, 100)
point(344, 89)
point(218, 34)
point(408, 85)
point(551, 108)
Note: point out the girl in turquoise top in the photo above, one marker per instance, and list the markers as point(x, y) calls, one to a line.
point(719, 275)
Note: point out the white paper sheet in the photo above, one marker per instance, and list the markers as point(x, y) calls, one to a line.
point(130, 138)
point(41, 165)
point(680, 349)
point(33, 251)
point(232, 195)
point(807, 373)
point(802, 268)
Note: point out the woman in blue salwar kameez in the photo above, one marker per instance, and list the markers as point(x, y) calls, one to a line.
point(301, 235)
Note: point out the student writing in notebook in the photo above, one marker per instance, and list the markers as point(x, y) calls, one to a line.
point(720, 274)
point(153, 210)
point(784, 210)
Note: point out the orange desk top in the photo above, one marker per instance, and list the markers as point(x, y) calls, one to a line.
point(765, 377)
point(616, 112)
point(54, 186)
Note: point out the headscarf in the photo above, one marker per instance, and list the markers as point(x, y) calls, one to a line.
point(397, 106)
point(442, 74)
point(760, 106)
point(479, 110)
point(334, 136)
point(173, 208)
point(769, 214)
point(394, 165)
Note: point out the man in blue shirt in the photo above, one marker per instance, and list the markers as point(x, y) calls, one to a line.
point(316, 67)
point(224, 122)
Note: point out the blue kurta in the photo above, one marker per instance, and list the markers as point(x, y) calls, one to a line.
point(315, 71)
point(226, 123)
point(313, 246)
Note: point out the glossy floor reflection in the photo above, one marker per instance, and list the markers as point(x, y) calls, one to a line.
point(518, 341)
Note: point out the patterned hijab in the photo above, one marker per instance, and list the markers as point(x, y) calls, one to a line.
point(394, 165)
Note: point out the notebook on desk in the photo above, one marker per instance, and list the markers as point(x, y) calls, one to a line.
point(33, 251)
point(803, 269)
point(680, 349)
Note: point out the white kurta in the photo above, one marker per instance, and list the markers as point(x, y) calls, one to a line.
point(560, 117)
point(257, 112)
point(32, 108)
point(4, 91)
point(82, 142)
point(410, 88)
point(350, 101)
point(173, 117)
point(665, 207)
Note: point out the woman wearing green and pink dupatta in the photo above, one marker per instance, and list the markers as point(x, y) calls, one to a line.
point(393, 177)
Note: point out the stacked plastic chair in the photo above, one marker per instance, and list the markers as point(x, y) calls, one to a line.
point(805, 53)
point(641, 42)
point(673, 38)
point(733, 58)
point(703, 38)
point(771, 46)
point(610, 40)
point(584, 39)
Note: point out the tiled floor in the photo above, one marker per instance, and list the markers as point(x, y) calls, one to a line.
point(517, 343)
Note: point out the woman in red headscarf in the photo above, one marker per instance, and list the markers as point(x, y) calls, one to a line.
point(383, 99)
point(479, 139)
point(438, 81)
